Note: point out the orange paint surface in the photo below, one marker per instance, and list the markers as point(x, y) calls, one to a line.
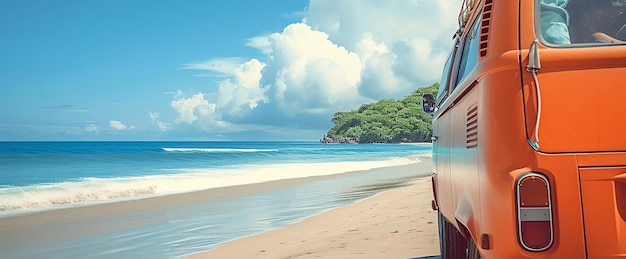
point(494, 123)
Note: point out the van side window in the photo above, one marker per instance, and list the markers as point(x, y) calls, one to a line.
point(445, 77)
point(555, 21)
point(581, 21)
point(469, 56)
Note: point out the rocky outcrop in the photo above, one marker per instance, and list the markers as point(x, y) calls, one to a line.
point(343, 140)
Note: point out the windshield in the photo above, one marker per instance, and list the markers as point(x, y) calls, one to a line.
point(582, 21)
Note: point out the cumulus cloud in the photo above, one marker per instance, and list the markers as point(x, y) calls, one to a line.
point(155, 117)
point(342, 54)
point(403, 47)
point(118, 125)
point(91, 128)
point(390, 21)
point(238, 94)
point(310, 73)
point(190, 108)
point(243, 91)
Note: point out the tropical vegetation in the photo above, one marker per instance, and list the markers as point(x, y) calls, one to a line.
point(385, 121)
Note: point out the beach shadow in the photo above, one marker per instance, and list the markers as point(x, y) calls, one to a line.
point(428, 257)
point(363, 191)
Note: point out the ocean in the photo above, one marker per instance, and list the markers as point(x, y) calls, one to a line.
point(42, 176)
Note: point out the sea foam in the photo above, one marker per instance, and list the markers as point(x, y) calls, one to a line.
point(218, 150)
point(86, 191)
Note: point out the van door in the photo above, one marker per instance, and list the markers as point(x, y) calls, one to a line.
point(575, 104)
point(604, 209)
point(441, 156)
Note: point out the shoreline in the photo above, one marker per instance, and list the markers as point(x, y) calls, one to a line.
point(214, 193)
point(397, 223)
point(76, 194)
point(77, 230)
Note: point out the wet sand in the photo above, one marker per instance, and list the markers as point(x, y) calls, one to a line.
point(398, 223)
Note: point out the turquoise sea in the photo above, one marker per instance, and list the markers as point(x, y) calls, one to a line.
point(41, 176)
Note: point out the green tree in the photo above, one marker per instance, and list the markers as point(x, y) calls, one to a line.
point(386, 121)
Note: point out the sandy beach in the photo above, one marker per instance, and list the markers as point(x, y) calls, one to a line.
point(398, 223)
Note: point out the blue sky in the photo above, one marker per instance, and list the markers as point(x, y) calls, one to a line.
point(209, 70)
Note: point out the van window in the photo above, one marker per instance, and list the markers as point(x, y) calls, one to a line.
point(582, 21)
point(469, 58)
point(445, 77)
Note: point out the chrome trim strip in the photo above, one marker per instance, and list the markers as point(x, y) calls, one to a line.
point(534, 214)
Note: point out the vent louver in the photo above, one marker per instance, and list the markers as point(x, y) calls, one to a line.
point(484, 27)
point(472, 127)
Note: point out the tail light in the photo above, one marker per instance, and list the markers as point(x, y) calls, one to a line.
point(534, 212)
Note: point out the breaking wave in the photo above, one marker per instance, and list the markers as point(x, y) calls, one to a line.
point(86, 191)
point(218, 150)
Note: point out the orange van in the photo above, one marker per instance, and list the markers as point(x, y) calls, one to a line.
point(529, 131)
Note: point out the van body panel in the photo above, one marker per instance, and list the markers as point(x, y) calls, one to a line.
point(484, 128)
point(604, 206)
point(601, 159)
point(464, 172)
point(442, 163)
point(581, 90)
point(580, 94)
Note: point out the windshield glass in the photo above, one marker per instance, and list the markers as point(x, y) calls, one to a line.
point(582, 21)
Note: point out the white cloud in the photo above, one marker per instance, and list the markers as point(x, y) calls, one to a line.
point(261, 43)
point(155, 117)
point(343, 54)
point(91, 128)
point(402, 44)
point(221, 66)
point(240, 93)
point(378, 77)
point(190, 108)
point(243, 92)
point(390, 21)
point(118, 125)
point(308, 71)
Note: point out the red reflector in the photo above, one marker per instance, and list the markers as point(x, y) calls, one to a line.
point(534, 212)
point(536, 234)
point(533, 192)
